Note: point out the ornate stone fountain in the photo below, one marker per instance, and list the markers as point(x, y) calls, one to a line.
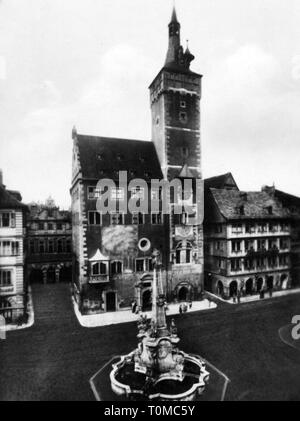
point(157, 369)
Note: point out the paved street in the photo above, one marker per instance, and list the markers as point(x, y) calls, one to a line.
point(54, 359)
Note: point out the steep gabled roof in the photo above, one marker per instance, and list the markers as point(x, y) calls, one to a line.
point(104, 157)
point(256, 205)
point(223, 181)
point(9, 201)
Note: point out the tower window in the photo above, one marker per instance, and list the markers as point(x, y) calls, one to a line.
point(157, 121)
point(182, 104)
point(184, 152)
point(183, 117)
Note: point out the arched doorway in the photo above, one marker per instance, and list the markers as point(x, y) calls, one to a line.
point(111, 301)
point(259, 284)
point(183, 293)
point(51, 275)
point(249, 286)
point(283, 281)
point(270, 282)
point(36, 276)
point(220, 288)
point(233, 288)
point(147, 300)
point(65, 274)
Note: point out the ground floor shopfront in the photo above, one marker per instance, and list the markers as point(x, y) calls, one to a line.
point(247, 284)
point(123, 290)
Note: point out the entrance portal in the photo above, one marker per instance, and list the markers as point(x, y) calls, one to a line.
point(220, 288)
point(259, 284)
point(65, 274)
point(249, 286)
point(233, 288)
point(270, 282)
point(51, 275)
point(147, 300)
point(110, 301)
point(183, 294)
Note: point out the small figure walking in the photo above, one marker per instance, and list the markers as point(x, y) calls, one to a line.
point(191, 304)
point(180, 309)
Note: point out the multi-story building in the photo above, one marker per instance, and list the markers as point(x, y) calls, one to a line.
point(112, 252)
point(292, 203)
point(247, 241)
point(13, 297)
point(48, 244)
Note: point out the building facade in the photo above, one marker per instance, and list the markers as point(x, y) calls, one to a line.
point(292, 203)
point(247, 242)
point(13, 293)
point(48, 244)
point(112, 263)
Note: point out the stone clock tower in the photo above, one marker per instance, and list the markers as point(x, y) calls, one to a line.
point(175, 97)
point(175, 104)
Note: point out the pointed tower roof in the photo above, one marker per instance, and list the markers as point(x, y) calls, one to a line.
point(174, 15)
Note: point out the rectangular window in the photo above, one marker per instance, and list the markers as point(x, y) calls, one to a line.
point(183, 117)
point(50, 246)
point(116, 268)
point(140, 265)
point(5, 278)
point(249, 245)
point(117, 218)
point(218, 228)
point(250, 228)
point(69, 246)
point(6, 220)
point(94, 218)
point(50, 226)
point(237, 228)
point(117, 194)
point(99, 268)
point(41, 246)
point(59, 226)
point(138, 193)
point(261, 245)
point(235, 265)
point(32, 246)
point(41, 226)
point(138, 218)
point(156, 218)
point(93, 193)
point(236, 246)
point(15, 248)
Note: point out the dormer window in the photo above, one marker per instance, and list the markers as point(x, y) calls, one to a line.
point(270, 210)
point(242, 210)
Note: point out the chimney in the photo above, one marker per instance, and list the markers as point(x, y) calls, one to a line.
point(270, 190)
point(1, 178)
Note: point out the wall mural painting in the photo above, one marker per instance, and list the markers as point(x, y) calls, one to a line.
point(121, 242)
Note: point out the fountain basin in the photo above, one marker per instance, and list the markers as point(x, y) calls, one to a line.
point(126, 381)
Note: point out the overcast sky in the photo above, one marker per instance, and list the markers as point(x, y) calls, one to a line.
point(90, 62)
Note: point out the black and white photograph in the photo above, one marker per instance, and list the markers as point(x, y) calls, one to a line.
point(149, 203)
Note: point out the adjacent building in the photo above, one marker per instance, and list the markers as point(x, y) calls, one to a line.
point(13, 293)
point(48, 244)
point(292, 203)
point(247, 240)
point(112, 263)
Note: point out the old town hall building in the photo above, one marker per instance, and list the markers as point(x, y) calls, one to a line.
point(112, 264)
